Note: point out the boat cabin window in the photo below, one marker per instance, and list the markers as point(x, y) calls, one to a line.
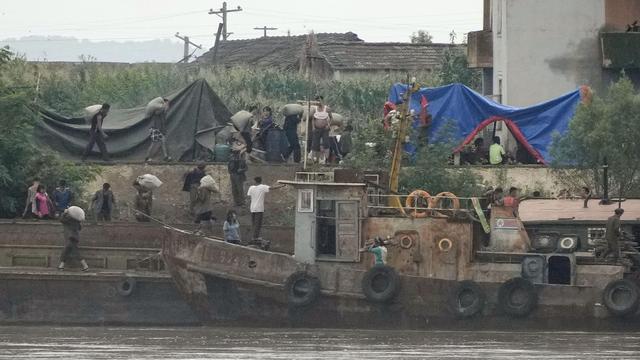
point(326, 228)
point(559, 270)
point(337, 230)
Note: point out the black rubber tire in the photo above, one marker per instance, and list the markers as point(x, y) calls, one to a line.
point(466, 299)
point(517, 297)
point(621, 297)
point(302, 289)
point(126, 287)
point(380, 284)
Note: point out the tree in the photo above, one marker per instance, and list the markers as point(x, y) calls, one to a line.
point(454, 68)
point(20, 160)
point(428, 170)
point(606, 128)
point(421, 37)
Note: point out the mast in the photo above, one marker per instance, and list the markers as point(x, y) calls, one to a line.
point(405, 120)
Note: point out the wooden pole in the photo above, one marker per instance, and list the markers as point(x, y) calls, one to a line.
point(217, 43)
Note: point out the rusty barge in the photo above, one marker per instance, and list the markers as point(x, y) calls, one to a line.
point(443, 271)
point(126, 284)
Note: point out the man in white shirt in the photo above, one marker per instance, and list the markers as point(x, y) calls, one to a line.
point(257, 193)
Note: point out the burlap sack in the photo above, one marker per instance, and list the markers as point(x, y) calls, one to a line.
point(90, 111)
point(149, 181)
point(293, 109)
point(240, 120)
point(209, 183)
point(153, 106)
point(76, 213)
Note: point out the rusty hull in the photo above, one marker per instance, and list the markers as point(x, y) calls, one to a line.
point(231, 284)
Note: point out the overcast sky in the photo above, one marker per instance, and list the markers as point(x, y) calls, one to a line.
point(123, 20)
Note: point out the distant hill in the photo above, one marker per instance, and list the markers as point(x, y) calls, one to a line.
point(57, 48)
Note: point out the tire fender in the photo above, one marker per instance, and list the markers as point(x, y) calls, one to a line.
point(127, 286)
point(517, 297)
point(380, 284)
point(466, 299)
point(302, 289)
point(621, 297)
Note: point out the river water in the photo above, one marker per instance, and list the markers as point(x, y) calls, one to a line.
point(18, 342)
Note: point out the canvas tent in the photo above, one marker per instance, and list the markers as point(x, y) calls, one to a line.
point(195, 116)
point(534, 126)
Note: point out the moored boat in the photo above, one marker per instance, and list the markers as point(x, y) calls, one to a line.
point(443, 270)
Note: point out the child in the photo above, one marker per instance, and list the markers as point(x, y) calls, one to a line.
point(231, 228)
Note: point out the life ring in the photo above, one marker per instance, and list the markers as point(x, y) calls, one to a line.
point(567, 244)
point(621, 297)
point(411, 202)
point(380, 284)
point(466, 299)
point(434, 201)
point(126, 287)
point(406, 242)
point(445, 245)
point(517, 297)
point(302, 289)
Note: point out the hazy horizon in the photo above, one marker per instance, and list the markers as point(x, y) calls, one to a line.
point(135, 23)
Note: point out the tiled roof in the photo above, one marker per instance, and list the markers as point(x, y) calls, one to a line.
point(273, 51)
point(383, 56)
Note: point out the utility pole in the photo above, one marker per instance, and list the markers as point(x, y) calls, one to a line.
point(264, 28)
point(187, 42)
point(222, 13)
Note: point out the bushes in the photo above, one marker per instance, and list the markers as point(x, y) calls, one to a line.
point(20, 161)
point(607, 128)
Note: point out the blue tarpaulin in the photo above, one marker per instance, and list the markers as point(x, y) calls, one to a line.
point(534, 126)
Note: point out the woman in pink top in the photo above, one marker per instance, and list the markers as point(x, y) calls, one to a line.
point(42, 203)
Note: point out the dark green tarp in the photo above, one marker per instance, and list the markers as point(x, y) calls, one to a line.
point(195, 115)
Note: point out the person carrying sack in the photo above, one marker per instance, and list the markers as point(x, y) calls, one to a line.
point(97, 135)
point(157, 111)
point(320, 133)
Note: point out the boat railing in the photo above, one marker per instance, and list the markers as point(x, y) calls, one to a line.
point(303, 176)
point(419, 204)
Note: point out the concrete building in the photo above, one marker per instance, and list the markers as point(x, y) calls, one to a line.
point(533, 51)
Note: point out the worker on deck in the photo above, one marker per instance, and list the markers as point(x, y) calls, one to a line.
point(378, 250)
point(71, 229)
point(612, 234)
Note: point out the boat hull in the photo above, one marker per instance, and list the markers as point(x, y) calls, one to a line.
point(226, 292)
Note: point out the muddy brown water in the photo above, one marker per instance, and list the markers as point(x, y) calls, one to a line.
point(45, 342)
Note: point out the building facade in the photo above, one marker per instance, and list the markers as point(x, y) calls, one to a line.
point(534, 51)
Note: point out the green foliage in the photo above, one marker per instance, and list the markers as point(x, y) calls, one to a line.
point(607, 128)
point(431, 172)
point(20, 161)
point(455, 69)
point(421, 37)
